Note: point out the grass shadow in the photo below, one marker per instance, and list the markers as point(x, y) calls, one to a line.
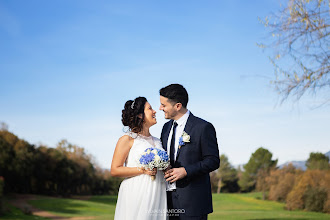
point(63, 206)
point(13, 213)
point(107, 200)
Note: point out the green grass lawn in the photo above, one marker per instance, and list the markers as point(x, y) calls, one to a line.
point(249, 206)
point(13, 213)
point(226, 206)
point(102, 207)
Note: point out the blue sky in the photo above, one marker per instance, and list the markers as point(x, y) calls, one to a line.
point(68, 67)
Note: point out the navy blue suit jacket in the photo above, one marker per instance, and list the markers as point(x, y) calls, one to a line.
point(199, 157)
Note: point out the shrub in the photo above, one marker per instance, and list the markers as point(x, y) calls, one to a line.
point(281, 182)
point(284, 187)
point(311, 191)
point(315, 198)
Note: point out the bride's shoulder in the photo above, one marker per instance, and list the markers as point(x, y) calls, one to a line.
point(127, 137)
point(125, 141)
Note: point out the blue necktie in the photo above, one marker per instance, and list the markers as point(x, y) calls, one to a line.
point(172, 147)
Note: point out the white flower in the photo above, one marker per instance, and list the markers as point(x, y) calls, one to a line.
point(157, 159)
point(185, 137)
point(154, 151)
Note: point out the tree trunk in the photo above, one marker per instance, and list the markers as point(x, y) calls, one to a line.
point(263, 195)
point(219, 186)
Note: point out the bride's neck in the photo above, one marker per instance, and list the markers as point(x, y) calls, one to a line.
point(145, 131)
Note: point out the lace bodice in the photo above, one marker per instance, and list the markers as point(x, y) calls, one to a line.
point(141, 143)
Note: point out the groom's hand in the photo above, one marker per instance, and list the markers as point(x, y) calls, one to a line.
point(167, 169)
point(175, 174)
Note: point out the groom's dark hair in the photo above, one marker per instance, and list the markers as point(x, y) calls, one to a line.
point(175, 93)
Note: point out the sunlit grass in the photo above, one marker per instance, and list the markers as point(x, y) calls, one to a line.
point(250, 206)
point(226, 206)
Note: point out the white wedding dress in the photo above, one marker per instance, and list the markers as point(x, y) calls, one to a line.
point(140, 197)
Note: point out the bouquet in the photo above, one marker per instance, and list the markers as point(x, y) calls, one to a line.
point(154, 158)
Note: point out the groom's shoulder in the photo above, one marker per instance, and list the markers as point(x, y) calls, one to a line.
point(166, 126)
point(198, 120)
point(201, 122)
point(168, 123)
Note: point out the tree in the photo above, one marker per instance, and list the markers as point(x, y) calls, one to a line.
point(315, 198)
point(300, 39)
point(261, 183)
point(317, 161)
point(310, 189)
point(281, 182)
point(226, 174)
point(1, 193)
point(65, 170)
point(260, 162)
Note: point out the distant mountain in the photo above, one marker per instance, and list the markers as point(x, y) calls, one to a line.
point(297, 164)
point(328, 154)
point(300, 164)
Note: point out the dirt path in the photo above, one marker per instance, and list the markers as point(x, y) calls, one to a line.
point(20, 201)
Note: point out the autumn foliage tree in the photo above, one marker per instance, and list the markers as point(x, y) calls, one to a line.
point(311, 192)
point(312, 189)
point(308, 190)
point(281, 182)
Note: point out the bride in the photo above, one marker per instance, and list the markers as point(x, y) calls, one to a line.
point(139, 196)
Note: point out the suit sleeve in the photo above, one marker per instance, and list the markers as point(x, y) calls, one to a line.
point(162, 135)
point(210, 154)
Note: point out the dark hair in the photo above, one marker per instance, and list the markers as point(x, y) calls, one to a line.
point(131, 112)
point(176, 93)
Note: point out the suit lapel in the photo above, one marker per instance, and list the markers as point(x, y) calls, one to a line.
point(166, 133)
point(187, 129)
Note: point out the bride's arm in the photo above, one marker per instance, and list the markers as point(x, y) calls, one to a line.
point(121, 152)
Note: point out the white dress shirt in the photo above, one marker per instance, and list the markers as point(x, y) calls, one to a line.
point(179, 130)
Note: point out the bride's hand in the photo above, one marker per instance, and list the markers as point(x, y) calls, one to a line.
point(150, 172)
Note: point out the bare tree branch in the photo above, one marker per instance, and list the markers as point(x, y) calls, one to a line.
point(301, 44)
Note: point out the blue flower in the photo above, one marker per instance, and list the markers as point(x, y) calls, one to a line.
point(181, 142)
point(146, 159)
point(154, 158)
point(163, 155)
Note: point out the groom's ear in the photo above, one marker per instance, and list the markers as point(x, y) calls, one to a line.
point(178, 106)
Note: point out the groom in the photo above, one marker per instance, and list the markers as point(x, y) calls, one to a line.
point(193, 149)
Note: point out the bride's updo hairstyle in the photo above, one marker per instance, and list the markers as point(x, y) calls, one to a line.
point(133, 114)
